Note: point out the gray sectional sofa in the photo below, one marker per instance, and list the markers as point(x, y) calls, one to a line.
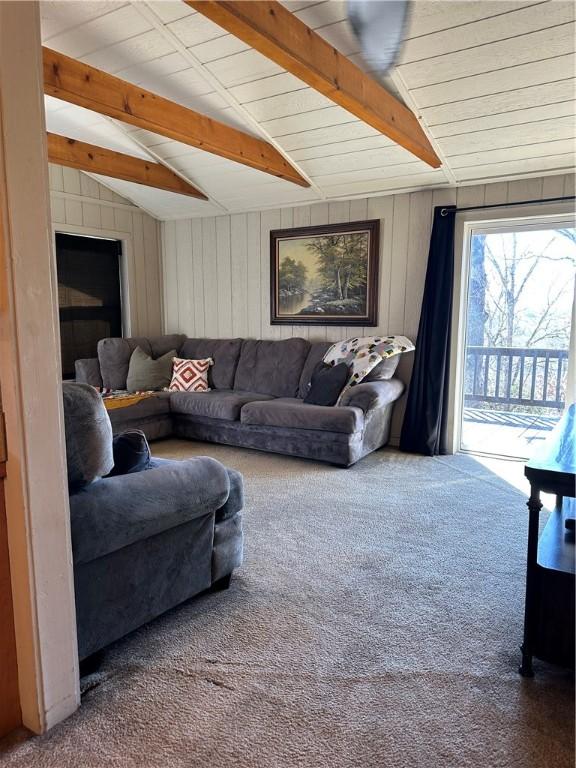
point(146, 541)
point(256, 398)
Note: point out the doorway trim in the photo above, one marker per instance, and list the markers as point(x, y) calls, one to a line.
point(522, 217)
point(37, 501)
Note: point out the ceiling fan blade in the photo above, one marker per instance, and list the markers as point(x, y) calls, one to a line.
point(379, 26)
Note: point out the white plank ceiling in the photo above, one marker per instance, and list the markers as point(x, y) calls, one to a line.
point(493, 83)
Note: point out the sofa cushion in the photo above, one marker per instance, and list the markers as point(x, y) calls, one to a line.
point(293, 413)
point(384, 370)
point(159, 345)
point(88, 435)
point(271, 367)
point(114, 355)
point(224, 353)
point(317, 351)
point(146, 373)
point(217, 404)
point(87, 371)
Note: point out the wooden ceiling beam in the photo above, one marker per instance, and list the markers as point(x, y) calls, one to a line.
point(78, 83)
point(275, 32)
point(106, 162)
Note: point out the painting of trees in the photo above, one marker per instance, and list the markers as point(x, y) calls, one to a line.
point(325, 274)
point(292, 275)
point(343, 265)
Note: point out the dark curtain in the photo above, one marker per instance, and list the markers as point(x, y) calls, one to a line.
point(424, 427)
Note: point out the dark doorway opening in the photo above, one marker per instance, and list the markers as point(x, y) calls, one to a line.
point(89, 295)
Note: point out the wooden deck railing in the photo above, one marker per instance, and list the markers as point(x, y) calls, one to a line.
point(516, 376)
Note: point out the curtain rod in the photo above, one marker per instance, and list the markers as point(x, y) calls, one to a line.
point(444, 211)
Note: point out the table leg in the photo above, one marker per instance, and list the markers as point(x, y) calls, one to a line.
point(534, 506)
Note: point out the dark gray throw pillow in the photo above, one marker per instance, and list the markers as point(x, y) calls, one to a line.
point(131, 452)
point(327, 383)
point(146, 374)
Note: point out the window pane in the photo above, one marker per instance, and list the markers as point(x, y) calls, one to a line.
point(520, 294)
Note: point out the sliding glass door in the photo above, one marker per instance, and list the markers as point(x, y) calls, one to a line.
point(519, 306)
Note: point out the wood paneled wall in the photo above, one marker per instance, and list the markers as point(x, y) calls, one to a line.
point(217, 270)
point(83, 205)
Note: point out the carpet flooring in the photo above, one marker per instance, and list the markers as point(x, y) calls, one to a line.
point(374, 624)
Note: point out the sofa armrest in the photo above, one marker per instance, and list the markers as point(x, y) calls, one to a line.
point(88, 371)
point(373, 394)
point(235, 501)
point(115, 512)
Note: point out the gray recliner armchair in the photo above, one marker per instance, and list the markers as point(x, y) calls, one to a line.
point(146, 541)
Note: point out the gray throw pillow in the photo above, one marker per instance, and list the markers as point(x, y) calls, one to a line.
point(145, 374)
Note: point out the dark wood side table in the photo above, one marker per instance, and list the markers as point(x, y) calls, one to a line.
point(549, 608)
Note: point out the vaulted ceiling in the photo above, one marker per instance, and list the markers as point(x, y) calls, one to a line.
point(492, 82)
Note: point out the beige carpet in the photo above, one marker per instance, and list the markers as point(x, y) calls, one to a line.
point(375, 623)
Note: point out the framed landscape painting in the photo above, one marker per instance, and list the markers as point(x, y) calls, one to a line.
point(325, 275)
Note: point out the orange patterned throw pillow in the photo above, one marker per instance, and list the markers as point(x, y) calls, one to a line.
point(190, 375)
